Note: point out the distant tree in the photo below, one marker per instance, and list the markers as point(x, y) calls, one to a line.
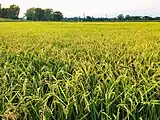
point(30, 14)
point(120, 17)
point(136, 18)
point(13, 12)
point(0, 9)
point(128, 17)
point(147, 18)
point(4, 12)
point(112, 19)
point(57, 16)
point(89, 18)
point(157, 18)
point(39, 14)
point(48, 14)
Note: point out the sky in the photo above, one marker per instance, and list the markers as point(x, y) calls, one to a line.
point(96, 8)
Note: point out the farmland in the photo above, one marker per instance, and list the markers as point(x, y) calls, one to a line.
point(80, 71)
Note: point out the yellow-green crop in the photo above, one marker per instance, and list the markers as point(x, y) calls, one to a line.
point(80, 71)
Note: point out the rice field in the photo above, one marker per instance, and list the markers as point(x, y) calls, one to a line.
point(80, 71)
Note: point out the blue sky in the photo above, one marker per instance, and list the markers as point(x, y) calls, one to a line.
point(92, 7)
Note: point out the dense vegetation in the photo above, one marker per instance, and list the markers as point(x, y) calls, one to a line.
point(39, 14)
point(34, 14)
point(86, 71)
point(11, 13)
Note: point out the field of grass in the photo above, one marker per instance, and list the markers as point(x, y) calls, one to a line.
point(80, 71)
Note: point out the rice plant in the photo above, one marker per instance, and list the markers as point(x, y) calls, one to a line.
point(80, 71)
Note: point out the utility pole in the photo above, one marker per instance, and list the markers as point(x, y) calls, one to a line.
point(84, 15)
point(106, 15)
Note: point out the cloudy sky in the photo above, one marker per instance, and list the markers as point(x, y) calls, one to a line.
point(92, 7)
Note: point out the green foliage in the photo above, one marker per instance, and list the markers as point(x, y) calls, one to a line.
point(128, 17)
point(48, 14)
point(86, 71)
point(12, 12)
point(120, 17)
point(39, 14)
point(30, 14)
point(57, 16)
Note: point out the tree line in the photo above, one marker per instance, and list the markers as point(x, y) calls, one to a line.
point(12, 12)
point(128, 17)
point(34, 14)
point(39, 14)
point(120, 17)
